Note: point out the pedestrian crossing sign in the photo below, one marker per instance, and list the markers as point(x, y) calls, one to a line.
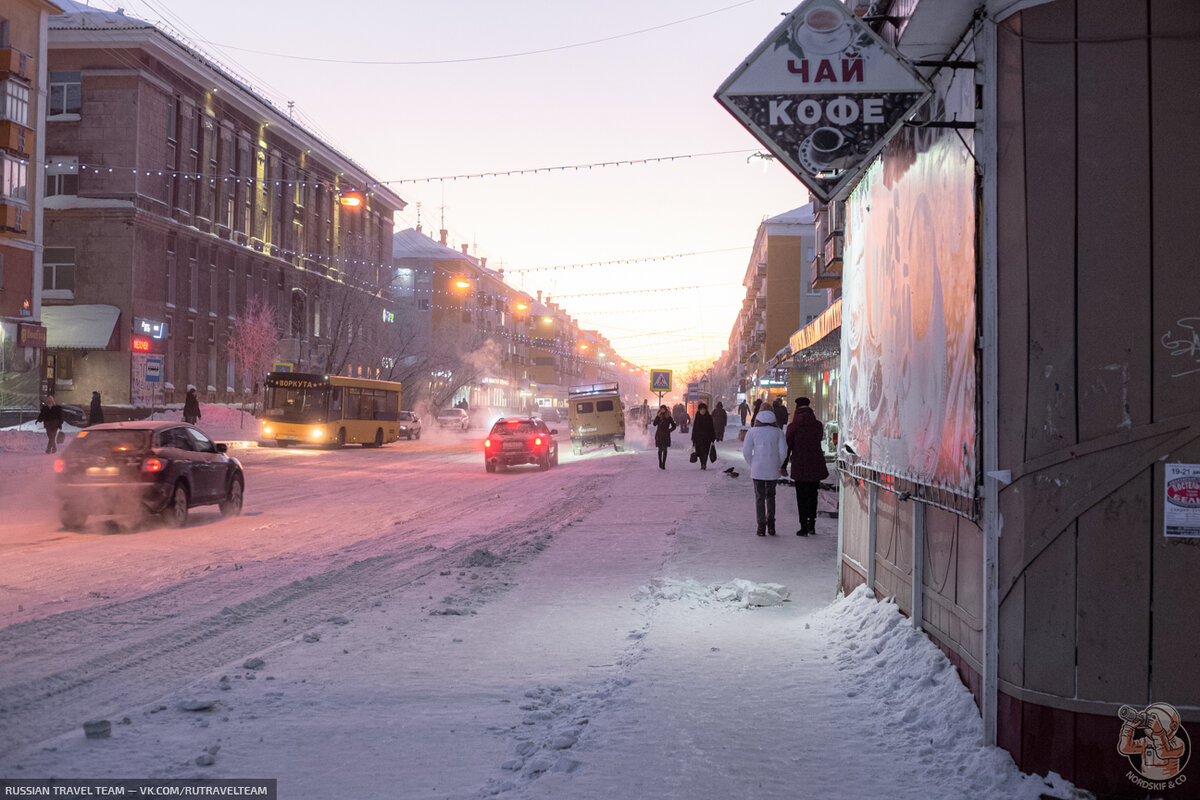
point(660, 380)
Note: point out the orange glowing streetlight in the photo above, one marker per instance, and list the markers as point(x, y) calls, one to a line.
point(462, 284)
point(351, 199)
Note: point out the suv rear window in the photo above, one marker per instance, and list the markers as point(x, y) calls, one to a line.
point(584, 408)
point(112, 441)
point(604, 405)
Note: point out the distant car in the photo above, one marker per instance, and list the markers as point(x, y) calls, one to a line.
point(454, 418)
point(145, 468)
point(550, 415)
point(520, 440)
point(410, 425)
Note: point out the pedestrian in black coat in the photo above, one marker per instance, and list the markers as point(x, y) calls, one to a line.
point(703, 434)
point(51, 416)
point(781, 413)
point(743, 412)
point(663, 425)
point(720, 420)
point(96, 412)
point(808, 463)
point(191, 407)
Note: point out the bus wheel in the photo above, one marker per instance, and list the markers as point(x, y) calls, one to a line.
point(281, 443)
point(619, 444)
point(378, 439)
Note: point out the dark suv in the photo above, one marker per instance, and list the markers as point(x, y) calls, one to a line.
point(143, 468)
point(520, 440)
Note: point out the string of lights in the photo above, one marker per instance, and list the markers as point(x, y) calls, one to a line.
point(335, 184)
point(646, 291)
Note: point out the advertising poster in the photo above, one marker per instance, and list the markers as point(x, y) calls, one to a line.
point(907, 402)
point(1181, 501)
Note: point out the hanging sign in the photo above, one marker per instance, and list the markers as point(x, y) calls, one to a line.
point(824, 94)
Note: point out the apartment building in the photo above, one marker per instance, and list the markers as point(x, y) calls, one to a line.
point(175, 197)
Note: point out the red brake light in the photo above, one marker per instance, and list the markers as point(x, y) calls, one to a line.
point(487, 443)
point(59, 465)
point(153, 465)
point(537, 442)
point(512, 422)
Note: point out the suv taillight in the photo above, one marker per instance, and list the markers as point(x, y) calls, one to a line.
point(537, 441)
point(59, 465)
point(487, 443)
point(153, 465)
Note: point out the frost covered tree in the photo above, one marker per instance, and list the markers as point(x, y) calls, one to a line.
point(253, 344)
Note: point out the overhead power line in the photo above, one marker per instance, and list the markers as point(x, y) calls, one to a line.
point(637, 260)
point(563, 167)
point(558, 297)
point(373, 62)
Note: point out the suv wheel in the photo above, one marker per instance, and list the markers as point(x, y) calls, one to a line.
point(176, 512)
point(231, 506)
point(71, 516)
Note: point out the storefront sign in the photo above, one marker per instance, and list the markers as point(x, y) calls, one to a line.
point(30, 335)
point(824, 94)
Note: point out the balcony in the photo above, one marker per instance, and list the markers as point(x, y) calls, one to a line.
point(12, 220)
point(16, 138)
point(15, 63)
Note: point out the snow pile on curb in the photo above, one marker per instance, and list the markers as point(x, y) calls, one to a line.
point(916, 689)
point(739, 591)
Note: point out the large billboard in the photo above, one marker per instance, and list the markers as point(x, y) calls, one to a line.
point(907, 402)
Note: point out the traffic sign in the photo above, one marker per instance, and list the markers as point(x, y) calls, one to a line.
point(824, 94)
point(154, 370)
point(660, 380)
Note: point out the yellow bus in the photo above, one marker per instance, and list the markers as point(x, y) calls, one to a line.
point(330, 410)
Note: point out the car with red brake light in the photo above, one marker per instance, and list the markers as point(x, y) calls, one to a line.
point(520, 440)
point(139, 469)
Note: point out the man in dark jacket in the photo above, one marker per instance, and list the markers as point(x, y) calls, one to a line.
point(808, 462)
point(191, 407)
point(51, 416)
point(703, 433)
point(96, 412)
point(720, 420)
point(743, 412)
point(779, 407)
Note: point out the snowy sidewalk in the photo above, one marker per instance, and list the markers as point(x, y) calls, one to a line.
point(604, 656)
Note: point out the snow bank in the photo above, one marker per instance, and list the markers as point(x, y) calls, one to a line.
point(738, 591)
point(916, 689)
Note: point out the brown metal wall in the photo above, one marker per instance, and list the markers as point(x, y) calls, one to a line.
point(1098, 212)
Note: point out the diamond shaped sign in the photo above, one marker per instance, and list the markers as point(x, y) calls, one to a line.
point(824, 94)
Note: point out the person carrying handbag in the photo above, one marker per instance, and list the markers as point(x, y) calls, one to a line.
point(703, 435)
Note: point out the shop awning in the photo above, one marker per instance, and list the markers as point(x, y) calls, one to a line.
point(829, 322)
point(85, 327)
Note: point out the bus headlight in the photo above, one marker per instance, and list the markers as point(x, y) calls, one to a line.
point(267, 429)
point(317, 434)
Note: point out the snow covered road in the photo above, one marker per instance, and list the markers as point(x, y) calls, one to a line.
point(397, 623)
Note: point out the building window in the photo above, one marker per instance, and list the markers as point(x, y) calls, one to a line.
point(191, 329)
point(193, 279)
point(1, 272)
point(58, 269)
point(62, 175)
point(13, 183)
point(171, 270)
point(212, 282)
point(212, 332)
point(14, 102)
point(66, 91)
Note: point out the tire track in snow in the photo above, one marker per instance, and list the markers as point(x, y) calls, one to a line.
point(79, 665)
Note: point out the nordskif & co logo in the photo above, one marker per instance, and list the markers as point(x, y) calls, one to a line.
point(1156, 745)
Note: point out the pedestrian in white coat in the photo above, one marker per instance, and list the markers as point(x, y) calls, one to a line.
point(765, 450)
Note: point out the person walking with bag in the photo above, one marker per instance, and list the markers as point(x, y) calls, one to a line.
point(663, 425)
point(703, 434)
point(51, 417)
point(765, 451)
point(191, 407)
point(720, 420)
point(808, 463)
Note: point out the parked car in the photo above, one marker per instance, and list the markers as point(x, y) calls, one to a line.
point(145, 468)
point(454, 418)
point(410, 425)
point(520, 440)
point(550, 415)
point(596, 416)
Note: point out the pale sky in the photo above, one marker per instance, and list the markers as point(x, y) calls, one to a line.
point(631, 97)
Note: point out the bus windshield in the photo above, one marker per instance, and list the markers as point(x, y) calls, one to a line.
point(297, 401)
